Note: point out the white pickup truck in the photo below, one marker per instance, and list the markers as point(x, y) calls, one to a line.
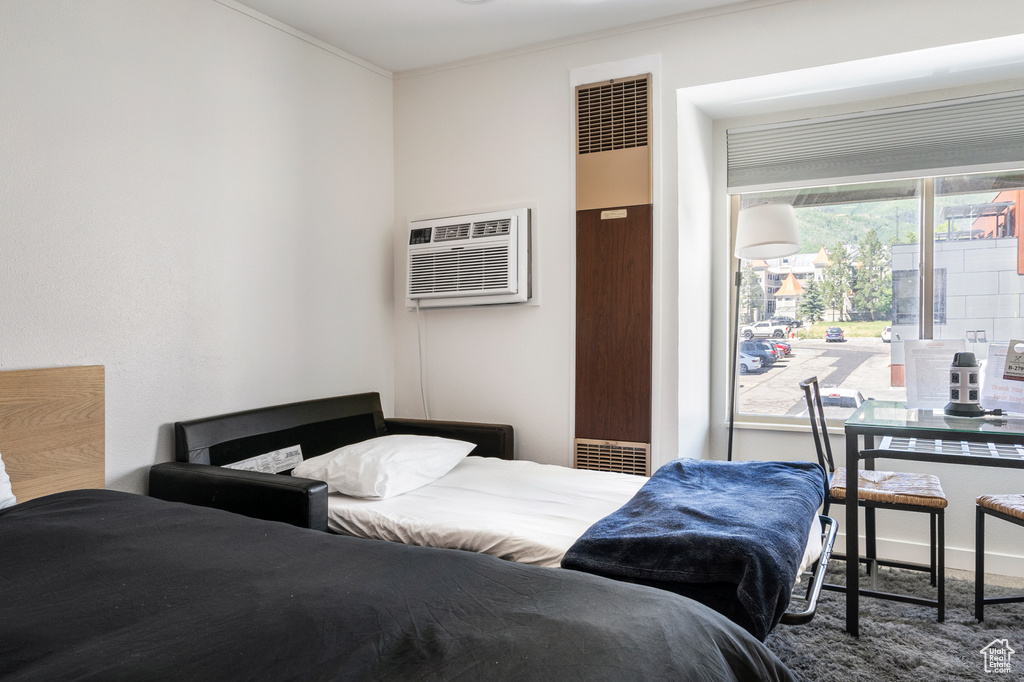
point(765, 329)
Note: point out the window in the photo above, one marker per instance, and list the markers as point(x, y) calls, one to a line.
point(906, 295)
point(851, 297)
point(893, 205)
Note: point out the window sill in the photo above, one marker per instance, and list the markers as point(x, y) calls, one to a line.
point(795, 426)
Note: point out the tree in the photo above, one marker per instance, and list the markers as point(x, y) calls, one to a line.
point(835, 287)
point(872, 293)
point(812, 305)
point(751, 293)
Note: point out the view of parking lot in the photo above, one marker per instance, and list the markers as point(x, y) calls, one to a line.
point(857, 364)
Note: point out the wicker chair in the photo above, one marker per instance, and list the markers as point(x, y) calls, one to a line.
point(898, 491)
point(1008, 508)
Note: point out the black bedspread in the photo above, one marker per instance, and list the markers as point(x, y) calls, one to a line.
point(102, 585)
point(729, 534)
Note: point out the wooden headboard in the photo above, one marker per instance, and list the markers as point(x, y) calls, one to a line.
point(52, 429)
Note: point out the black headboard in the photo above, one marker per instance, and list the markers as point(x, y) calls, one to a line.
point(319, 426)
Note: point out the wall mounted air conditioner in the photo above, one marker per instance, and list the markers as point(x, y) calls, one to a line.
point(478, 259)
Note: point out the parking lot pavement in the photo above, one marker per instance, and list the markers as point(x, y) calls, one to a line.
point(860, 363)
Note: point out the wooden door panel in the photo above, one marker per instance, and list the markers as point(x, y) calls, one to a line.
point(614, 281)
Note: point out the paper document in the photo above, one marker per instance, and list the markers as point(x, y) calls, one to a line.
point(927, 370)
point(271, 462)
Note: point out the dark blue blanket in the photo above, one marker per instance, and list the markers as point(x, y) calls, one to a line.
point(730, 534)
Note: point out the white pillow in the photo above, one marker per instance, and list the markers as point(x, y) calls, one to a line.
point(387, 466)
point(6, 493)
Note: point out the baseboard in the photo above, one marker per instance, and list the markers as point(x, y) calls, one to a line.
point(963, 559)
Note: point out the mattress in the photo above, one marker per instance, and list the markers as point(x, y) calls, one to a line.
point(517, 510)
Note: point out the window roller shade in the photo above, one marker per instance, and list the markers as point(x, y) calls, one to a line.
point(952, 136)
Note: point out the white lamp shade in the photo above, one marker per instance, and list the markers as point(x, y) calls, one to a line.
point(766, 231)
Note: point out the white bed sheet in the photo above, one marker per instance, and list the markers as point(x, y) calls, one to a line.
point(517, 510)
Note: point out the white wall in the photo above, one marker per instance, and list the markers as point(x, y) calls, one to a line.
point(499, 132)
point(476, 139)
point(197, 200)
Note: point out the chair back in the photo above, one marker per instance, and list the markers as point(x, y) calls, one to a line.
point(816, 413)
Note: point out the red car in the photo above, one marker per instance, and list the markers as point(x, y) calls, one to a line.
point(783, 346)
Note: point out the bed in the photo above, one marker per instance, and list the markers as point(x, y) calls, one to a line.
point(106, 585)
point(101, 584)
point(516, 510)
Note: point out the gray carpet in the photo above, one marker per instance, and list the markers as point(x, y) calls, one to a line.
point(902, 641)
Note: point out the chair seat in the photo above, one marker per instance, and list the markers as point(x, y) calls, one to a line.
point(1011, 505)
point(892, 487)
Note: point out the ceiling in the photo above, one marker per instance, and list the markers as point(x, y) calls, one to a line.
point(402, 35)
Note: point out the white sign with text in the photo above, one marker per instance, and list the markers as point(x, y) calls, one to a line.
point(998, 391)
point(1013, 367)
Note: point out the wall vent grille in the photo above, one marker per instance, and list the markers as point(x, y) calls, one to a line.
point(480, 269)
point(613, 115)
point(608, 455)
point(446, 233)
point(491, 228)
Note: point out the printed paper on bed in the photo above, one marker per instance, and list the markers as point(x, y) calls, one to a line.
point(271, 462)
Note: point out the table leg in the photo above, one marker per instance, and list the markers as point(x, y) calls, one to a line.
point(852, 536)
point(979, 565)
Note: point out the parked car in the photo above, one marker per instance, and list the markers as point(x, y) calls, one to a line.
point(838, 403)
point(759, 349)
point(834, 334)
point(765, 329)
point(769, 345)
point(787, 321)
point(833, 396)
point(749, 363)
point(887, 335)
point(784, 346)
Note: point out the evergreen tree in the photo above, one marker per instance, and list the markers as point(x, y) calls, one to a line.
point(812, 306)
point(835, 287)
point(872, 293)
point(751, 293)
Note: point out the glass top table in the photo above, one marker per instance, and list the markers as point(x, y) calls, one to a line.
point(923, 435)
point(895, 417)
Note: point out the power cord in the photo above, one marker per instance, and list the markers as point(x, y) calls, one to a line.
point(423, 365)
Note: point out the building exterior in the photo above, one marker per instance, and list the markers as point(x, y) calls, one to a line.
point(783, 280)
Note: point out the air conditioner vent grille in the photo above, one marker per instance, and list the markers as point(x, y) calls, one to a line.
point(446, 233)
point(618, 456)
point(490, 228)
point(478, 269)
point(612, 115)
